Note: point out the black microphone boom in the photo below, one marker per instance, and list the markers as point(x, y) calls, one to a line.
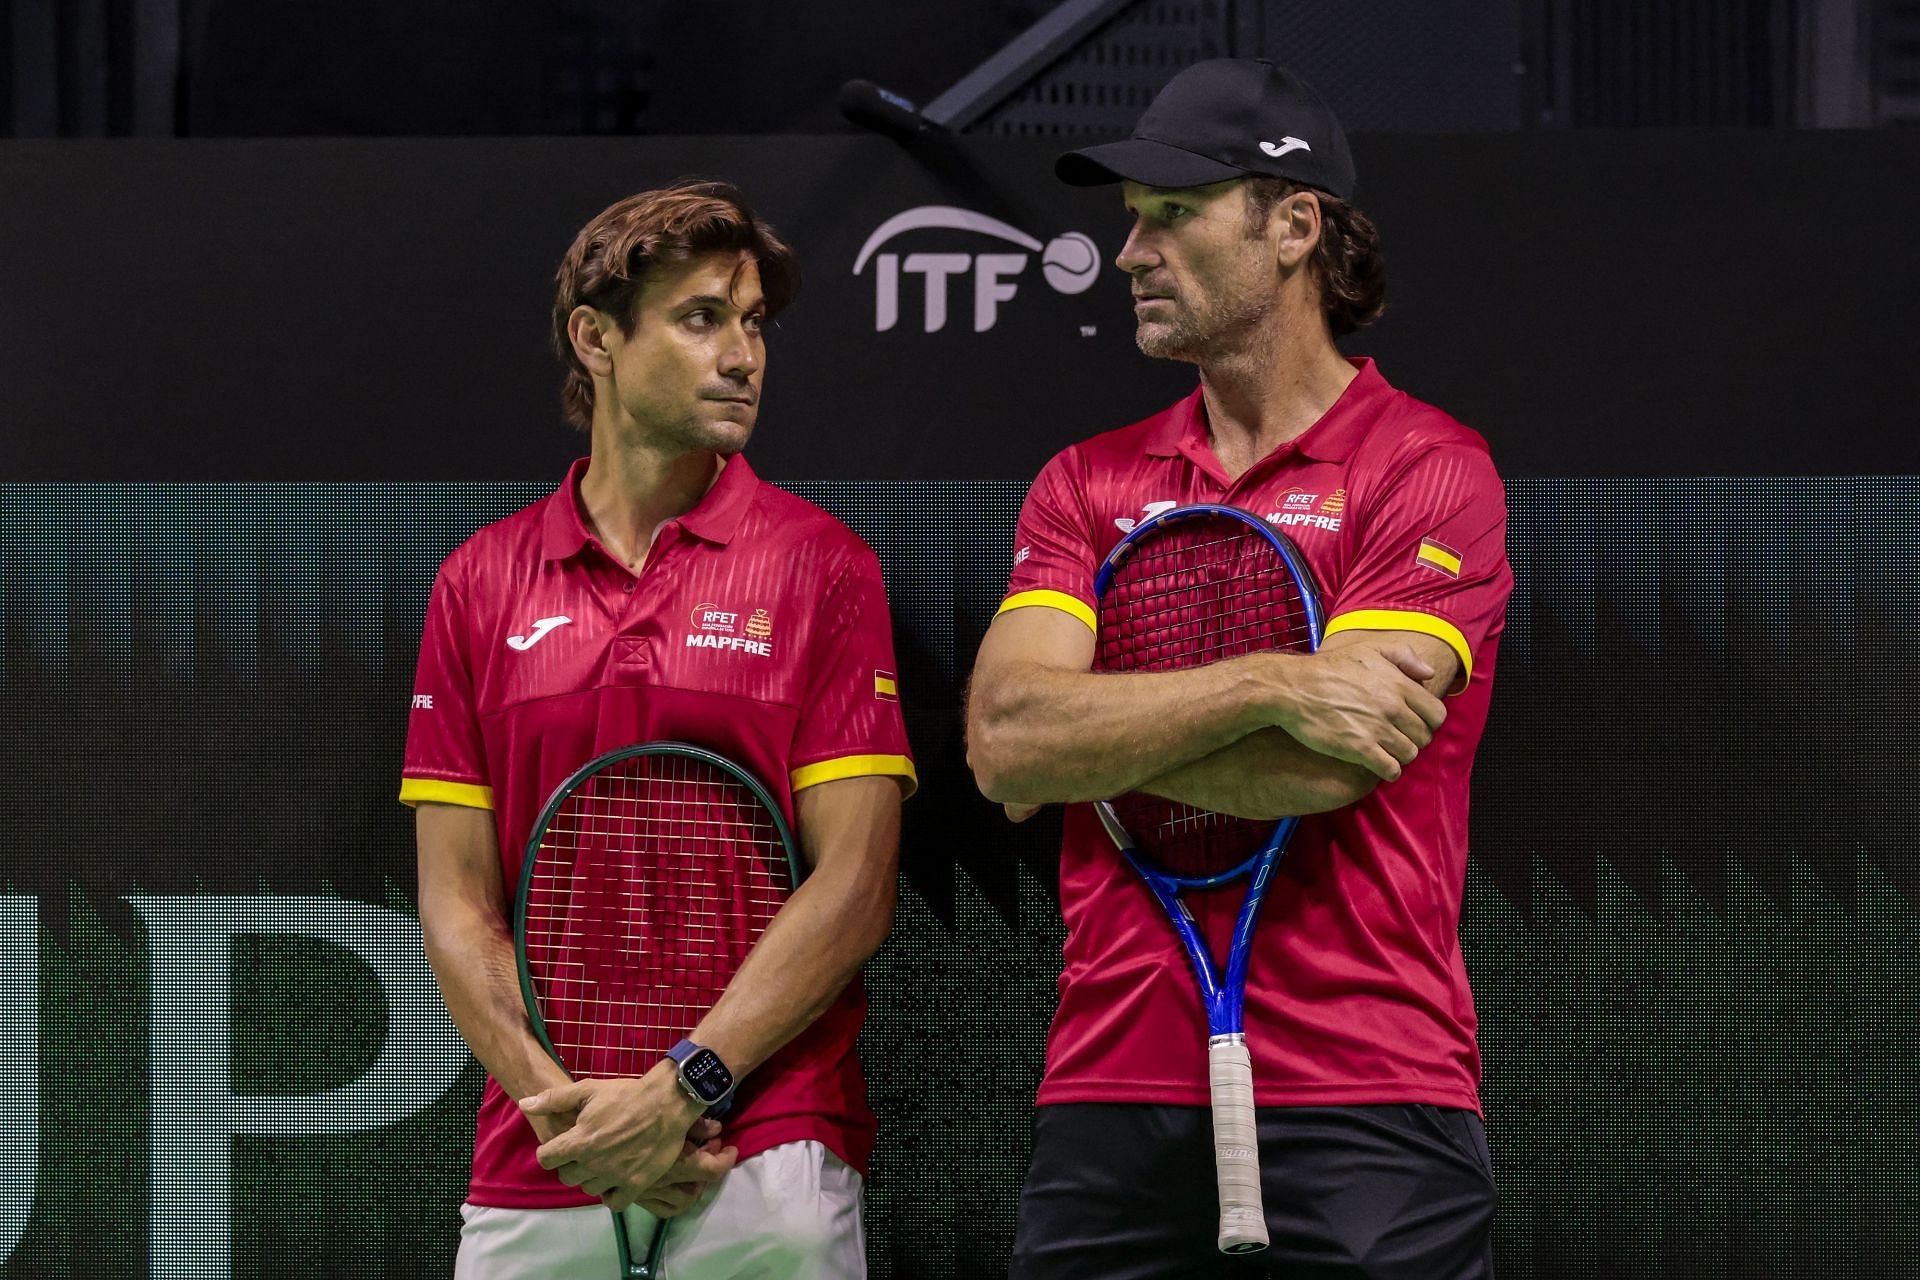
point(987, 85)
point(882, 110)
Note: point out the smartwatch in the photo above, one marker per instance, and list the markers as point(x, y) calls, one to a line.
point(704, 1077)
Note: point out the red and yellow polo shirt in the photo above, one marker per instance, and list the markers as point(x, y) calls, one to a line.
point(758, 628)
point(1357, 992)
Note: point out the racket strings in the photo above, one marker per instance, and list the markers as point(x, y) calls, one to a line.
point(1190, 597)
point(653, 881)
point(1197, 590)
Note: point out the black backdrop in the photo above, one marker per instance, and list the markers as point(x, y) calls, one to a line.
point(1690, 916)
point(1597, 304)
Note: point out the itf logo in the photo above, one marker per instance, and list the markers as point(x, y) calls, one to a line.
point(1068, 262)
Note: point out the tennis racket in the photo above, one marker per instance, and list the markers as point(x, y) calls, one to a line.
point(649, 876)
point(1185, 588)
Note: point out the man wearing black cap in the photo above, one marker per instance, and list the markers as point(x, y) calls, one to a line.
point(1248, 259)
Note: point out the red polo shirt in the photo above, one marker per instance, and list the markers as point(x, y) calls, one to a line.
point(757, 628)
point(1356, 992)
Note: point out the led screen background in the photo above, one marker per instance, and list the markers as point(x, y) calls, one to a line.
point(1689, 918)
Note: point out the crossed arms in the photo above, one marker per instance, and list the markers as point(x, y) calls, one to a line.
point(1261, 736)
point(644, 1141)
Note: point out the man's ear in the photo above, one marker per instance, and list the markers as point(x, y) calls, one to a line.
point(587, 330)
point(1298, 223)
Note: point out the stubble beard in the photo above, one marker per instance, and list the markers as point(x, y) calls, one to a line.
point(1169, 340)
point(1194, 335)
point(692, 432)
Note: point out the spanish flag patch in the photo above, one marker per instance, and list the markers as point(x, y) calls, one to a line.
point(884, 687)
point(1438, 555)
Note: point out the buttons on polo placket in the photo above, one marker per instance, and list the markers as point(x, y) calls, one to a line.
point(631, 652)
point(635, 653)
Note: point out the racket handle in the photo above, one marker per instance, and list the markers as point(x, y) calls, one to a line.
point(1236, 1145)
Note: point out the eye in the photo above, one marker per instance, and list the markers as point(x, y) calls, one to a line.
point(754, 322)
point(701, 318)
point(1170, 212)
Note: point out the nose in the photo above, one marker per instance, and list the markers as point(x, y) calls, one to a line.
point(1138, 253)
point(740, 357)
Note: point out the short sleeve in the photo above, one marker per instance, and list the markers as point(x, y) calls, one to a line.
point(1432, 556)
point(1054, 561)
point(446, 760)
point(850, 723)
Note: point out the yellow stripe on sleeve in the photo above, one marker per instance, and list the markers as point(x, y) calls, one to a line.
point(434, 791)
point(1439, 557)
point(884, 687)
point(812, 775)
point(1053, 600)
point(1406, 620)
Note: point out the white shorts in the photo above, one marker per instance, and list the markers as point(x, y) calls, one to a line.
point(790, 1213)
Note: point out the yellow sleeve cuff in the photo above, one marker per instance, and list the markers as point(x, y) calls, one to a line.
point(1053, 600)
point(1407, 620)
point(434, 791)
point(812, 775)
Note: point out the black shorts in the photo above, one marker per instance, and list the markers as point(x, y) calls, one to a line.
point(1121, 1191)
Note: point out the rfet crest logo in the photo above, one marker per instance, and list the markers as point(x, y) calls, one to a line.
point(711, 617)
point(1069, 262)
point(1297, 500)
point(717, 628)
point(1304, 509)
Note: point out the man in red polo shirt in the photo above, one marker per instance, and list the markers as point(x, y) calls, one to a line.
point(664, 592)
point(1247, 260)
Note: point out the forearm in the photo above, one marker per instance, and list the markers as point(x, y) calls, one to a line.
point(813, 948)
point(1040, 735)
point(472, 956)
point(1272, 774)
point(1267, 774)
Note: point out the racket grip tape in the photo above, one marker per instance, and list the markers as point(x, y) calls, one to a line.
point(1236, 1145)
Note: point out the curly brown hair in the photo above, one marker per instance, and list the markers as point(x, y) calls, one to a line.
point(608, 261)
point(1347, 261)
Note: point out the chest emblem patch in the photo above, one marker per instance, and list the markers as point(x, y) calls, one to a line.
point(714, 627)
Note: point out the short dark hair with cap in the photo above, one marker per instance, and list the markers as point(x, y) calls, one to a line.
point(1247, 118)
point(1346, 260)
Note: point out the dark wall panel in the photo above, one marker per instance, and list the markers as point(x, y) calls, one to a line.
point(1596, 304)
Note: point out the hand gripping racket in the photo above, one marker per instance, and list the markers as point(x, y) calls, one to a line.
point(1187, 587)
point(649, 876)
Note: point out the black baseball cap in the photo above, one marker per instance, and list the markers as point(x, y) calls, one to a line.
point(1219, 119)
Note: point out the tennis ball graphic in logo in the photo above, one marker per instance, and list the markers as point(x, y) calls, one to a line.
point(1070, 262)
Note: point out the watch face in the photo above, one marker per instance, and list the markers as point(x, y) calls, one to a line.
point(707, 1075)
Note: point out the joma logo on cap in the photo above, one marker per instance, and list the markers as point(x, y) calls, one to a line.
point(1286, 144)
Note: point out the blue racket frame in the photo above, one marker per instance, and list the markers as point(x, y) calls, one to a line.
point(1224, 998)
